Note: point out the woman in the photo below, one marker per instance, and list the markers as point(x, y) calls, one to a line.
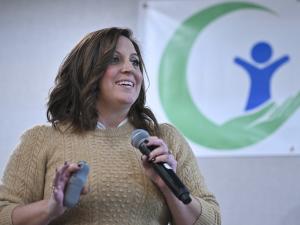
point(97, 101)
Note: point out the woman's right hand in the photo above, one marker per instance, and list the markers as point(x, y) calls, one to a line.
point(44, 211)
point(61, 179)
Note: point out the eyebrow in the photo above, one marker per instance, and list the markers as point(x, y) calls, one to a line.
point(132, 54)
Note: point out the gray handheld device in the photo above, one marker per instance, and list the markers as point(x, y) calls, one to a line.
point(75, 185)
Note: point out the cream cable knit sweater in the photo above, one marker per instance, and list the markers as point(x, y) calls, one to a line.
point(120, 193)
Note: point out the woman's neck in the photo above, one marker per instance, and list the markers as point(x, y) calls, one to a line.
point(110, 120)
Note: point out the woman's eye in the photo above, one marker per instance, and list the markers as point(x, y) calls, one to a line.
point(135, 62)
point(115, 59)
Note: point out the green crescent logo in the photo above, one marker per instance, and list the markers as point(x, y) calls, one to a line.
point(174, 94)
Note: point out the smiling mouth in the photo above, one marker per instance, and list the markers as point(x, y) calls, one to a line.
point(125, 83)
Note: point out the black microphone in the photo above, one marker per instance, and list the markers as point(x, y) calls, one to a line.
point(138, 138)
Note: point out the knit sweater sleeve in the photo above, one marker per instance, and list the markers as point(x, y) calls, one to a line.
point(188, 171)
point(23, 180)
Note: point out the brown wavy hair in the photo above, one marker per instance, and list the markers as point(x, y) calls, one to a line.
point(73, 99)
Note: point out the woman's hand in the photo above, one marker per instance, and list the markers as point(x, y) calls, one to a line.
point(160, 153)
point(61, 179)
point(44, 211)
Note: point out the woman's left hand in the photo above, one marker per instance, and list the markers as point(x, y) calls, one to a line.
point(160, 153)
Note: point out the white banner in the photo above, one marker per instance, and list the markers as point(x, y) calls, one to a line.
point(226, 74)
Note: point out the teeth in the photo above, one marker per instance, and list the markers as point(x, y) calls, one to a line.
point(125, 83)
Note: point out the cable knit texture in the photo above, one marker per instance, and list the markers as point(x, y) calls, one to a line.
point(120, 192)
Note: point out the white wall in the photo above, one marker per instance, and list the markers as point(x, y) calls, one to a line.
point(35, 37)
point(255, 190)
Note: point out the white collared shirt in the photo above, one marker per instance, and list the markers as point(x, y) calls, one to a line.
point(101, 125)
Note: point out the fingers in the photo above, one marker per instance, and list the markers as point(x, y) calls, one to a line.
point(62, 176)
point(160, 153)
point(74, 167)
point(85, 190)
point(145, 162)
point(59, 176)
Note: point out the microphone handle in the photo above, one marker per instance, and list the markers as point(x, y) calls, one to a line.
point(169, 177)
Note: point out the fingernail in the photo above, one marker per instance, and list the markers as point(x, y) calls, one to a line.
point(151, 160)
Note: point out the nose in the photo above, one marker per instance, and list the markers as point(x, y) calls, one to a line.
point(127, 67)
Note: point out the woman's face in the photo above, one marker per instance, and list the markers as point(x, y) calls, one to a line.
point(121, 83)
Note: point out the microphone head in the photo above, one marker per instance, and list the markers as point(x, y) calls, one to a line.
point(138, 136)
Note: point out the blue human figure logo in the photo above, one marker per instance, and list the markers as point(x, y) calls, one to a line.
point(260, 78)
